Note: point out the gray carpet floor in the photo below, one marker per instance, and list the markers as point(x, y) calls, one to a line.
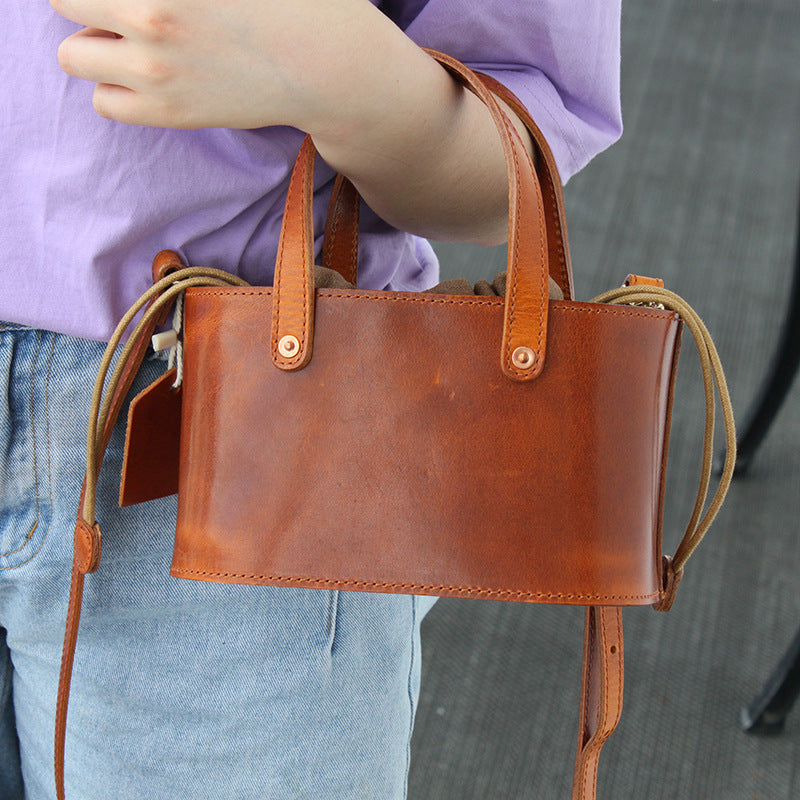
point(701, 191)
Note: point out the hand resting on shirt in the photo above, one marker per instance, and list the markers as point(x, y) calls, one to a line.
point(422, 151)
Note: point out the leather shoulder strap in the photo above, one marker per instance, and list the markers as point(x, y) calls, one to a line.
point(601, 694)
point(86, 557)
point(87, 539)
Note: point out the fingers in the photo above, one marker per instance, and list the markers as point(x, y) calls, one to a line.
point(99, 14)
point(95, 55)
point(123, 105)
point(133, 19)
point(136, 108)
point(103, 57)
point(130, 87)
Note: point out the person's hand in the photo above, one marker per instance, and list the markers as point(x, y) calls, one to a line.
point(423, 152)
point(215, 63)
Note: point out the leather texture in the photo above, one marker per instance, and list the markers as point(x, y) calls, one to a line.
point(601, 694)
point(414, 406)
point(340, 243)
point(149, 464)
point(392, 450)
point(404, 415)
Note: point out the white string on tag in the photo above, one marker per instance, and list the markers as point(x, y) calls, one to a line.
point(172, 339)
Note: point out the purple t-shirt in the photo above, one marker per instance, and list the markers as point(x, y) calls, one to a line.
point(87, 202)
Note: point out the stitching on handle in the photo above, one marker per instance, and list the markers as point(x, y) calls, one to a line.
point(542, 278)
point(276, 328)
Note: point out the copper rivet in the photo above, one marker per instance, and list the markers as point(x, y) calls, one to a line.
point(523, 357)
point(288, 346)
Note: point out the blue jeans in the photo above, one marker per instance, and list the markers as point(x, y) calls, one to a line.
point(180, 689)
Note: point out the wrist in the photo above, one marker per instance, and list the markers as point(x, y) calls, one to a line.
point(373, 84)
point(422, 150)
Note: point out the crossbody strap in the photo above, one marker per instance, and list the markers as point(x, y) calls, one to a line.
point(601, 694)
point(103, 414)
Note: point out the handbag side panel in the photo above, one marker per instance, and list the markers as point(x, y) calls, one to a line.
point(401, 459)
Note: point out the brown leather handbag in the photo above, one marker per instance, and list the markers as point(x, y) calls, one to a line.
point(508, 448)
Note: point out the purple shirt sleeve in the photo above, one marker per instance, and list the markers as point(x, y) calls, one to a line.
point(560, 58)
point(87, 202)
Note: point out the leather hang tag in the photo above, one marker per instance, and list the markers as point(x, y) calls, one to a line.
point(152, 443)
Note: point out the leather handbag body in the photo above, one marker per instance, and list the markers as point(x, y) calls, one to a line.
point(510, 448)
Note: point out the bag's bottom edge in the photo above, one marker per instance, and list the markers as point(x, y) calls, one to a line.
point(434, 590)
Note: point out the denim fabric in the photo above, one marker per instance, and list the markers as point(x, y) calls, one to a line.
point(181, 688)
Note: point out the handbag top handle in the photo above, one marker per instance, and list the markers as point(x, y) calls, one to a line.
point(537, 236)
point(340, 243)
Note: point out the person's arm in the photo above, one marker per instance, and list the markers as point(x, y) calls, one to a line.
point(422, 151)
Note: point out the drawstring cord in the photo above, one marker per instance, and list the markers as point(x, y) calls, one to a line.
point(171, 340)
point(712, 373)
point(162, 294)
point(175, 358)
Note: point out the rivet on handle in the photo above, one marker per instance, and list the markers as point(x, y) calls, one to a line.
point(523, 358)
point(288, 346)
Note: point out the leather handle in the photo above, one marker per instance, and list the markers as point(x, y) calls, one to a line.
point(340, 244)
point(552, 194)
point(341, 228)
point(526, 302)
point(293, 285)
